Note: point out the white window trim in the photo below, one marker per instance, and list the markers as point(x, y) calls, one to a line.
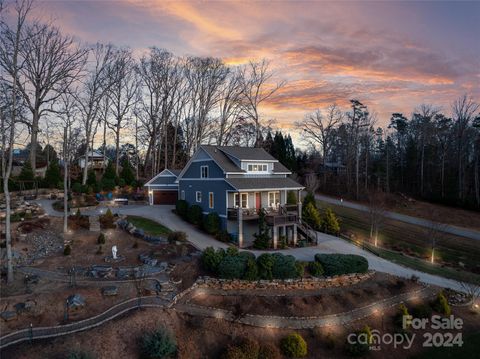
point(196, 196)
point(264, 165)
point(201, 172)
point(279, 198)
point(211, 200)
point(241, 194)
point(182, 195)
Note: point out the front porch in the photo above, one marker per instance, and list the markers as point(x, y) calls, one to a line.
point(243, 212)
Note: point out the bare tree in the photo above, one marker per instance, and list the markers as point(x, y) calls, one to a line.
point(257, 90)
point(10, 44)
point(464, 110)
point(312, 183)
point(434, 231)
point(123, 94)
point(93, 90)
point(320, 130)
point(376, 209)
point(50, 61)
point(230, 107)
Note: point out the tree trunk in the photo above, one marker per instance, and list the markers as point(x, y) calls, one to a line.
point(85, 168)
point(65, 180)
point(421, 169)
point(33, 141)
point(443, 176)
point(117, 147)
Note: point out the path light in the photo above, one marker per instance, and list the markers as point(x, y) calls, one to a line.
point(433, 255)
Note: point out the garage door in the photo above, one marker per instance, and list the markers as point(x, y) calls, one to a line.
point(165, 197)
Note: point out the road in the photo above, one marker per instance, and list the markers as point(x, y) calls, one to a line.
point(447, 228)
point(326, 243)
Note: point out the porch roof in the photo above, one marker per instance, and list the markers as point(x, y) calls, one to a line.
point(263, 183)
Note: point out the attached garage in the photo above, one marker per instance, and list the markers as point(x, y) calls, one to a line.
point(163, 189)
point(165, 197)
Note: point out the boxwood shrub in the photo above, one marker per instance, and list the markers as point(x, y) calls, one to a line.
point(294, 346)
point(284, 266)
point(195, 214)
point(337, 264)
point(182, 208)
point(212, 223)
point(232, 267)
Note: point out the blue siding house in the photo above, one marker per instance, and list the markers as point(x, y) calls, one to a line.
point(236, 183)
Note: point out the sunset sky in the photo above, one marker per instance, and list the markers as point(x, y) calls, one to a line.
point(392, 56)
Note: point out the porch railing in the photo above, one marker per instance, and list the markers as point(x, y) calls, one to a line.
point(286, 214)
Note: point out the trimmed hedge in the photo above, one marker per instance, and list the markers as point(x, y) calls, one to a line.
point(182, 208)
point(337, 264)
point(315, 269)
point(212, 223)
point(283, 266)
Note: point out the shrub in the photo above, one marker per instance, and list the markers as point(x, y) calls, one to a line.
point(265, 264)
point(282, 242)
point(262, 238)
point(422, 311)
point(107, 219)
point(67, 250)
point(177, 236)
point(300, 268)
point(135, 244)
point(398, 318)
point(77, 187)
point(232, 251)
point(441, 304)
point(91, 178)
point(311, 216)
point(79, 354)
point(315, 269)
point(52, 175)
point(330, 222)
point(232, 267)
point(26, 174)
point(101, 238)
point(251, 270)
point(108, 184)
point(212, 223)
point(294, 346)
point(309, 198)
point(78, 214)
point(360, 349)
point(158, 344)
point(269, 351)
point(283, 266)
point(336, 264)
point(223, 236)
point(126, 174)
point(182, 208)
point(211, 259)
point(195, 214)
point(121, 182)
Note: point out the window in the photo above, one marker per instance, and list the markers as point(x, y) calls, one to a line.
point(203, 171)
point(198, 196)
point(273, 199)
point(182, 195)
point(241, 200)
point(257, 167)
point(210, 200)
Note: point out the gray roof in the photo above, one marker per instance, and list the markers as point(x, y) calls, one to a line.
point(251, 183)
point(218, 153)
point(225, 163)
point(247, 153)
point(175, 172)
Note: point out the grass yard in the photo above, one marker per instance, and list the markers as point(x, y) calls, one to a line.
point(458, 255)
point(150, 227)
point(469, 349)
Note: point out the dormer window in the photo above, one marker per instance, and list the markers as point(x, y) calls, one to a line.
point(204, 172)
point(257, 167)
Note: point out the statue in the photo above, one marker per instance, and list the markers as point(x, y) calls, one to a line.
point(114, 252)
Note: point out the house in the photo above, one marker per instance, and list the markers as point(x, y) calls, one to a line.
point(236, 182)
point(96, 160)
point(163, 188)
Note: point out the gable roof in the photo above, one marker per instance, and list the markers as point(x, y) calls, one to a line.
point(247, 153)
point(167, 176)
point(222, 160)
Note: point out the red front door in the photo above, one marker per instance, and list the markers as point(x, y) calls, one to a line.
point(258, 200)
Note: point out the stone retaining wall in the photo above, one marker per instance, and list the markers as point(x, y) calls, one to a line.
point(286, 284)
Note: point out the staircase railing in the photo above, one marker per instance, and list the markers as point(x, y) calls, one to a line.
point(309, 231)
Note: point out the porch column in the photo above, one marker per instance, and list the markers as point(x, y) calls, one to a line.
point(299, 211)
point(275, 237)
point(294, 234)
point(240, 227)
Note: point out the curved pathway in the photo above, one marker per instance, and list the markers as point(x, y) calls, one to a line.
point(272, 321)
point(92, 322)
point(326, 243)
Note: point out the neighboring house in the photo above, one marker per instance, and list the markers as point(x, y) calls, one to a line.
point(236, 182)
point(163, 188)
point(96, 160)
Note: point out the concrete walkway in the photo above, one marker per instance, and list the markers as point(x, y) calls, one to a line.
point(326, 243)
point(458, 231)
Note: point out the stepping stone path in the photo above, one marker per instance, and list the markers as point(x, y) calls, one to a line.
point(75, 301)
point(94, 222)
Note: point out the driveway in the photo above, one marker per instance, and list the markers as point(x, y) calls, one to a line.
point(327, 243)
point(447, 228)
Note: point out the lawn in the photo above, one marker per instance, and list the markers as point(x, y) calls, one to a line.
point(469, 349)
point(454, 252)
point(150, 227)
